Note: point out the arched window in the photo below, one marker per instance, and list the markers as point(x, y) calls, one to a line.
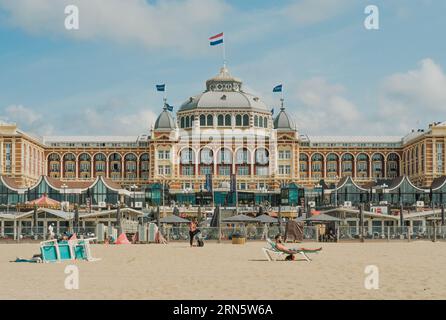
point(393, 165)
point(378, 165)
point(317, 164)
point(245, 120)
point(220, 120)
point(332, 165)
point(362, 165)
point(183, 123)
point(228, 120)
point(303, 164)
point(238, 120)
point(262, 156)
point(54, 165)
point(69, 165)
point(187, 156)
point(84, 165)
point(210, 120)
point(260, 122)
point(187, 122)
point(224, 156)
point(256, 121)
point(243, 156)
point(206, 156)
point(100, 164)
point(347, 164)
point(265, 122)
point(144, 166)
point(202, 120)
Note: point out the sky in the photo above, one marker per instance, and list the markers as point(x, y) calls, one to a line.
point(338, 77)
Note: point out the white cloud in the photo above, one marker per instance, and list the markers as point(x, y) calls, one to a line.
point(416, 97)
point(27, 119)
point(323, 106)
point(307, 12)
point(183, 25)
point(171, 24)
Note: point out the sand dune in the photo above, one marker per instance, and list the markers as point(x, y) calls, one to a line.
point(225, 271)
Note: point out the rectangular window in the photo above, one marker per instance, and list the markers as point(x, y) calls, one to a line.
point(167, 170)
point(242, 186)
point(160, 170)
point(303, 167)
point(439, 157)
point(160, 154)
point(224, 170)
point(243, 171)
point(284, 154)
point(284, 169)
point(187, 170)
point(166, 154)
point(205, 170)
point(261, 171)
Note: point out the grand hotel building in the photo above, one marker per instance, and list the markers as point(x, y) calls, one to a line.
point(222, 130)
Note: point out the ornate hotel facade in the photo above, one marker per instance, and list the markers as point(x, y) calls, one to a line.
point(223, 130)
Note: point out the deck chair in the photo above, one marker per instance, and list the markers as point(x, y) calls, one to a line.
point(272, 251)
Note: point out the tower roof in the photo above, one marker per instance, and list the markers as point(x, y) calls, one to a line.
point(283, 121)
point(164, 121)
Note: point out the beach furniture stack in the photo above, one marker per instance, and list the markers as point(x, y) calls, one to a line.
point(57, 251)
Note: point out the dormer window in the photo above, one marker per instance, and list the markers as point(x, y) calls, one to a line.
point(256, 99)
point(223, 97)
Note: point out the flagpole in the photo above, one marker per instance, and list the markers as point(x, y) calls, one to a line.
point(224, 53)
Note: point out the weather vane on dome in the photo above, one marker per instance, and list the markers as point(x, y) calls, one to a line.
point(217, 40)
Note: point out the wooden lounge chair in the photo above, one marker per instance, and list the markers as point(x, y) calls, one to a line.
point(273, 250)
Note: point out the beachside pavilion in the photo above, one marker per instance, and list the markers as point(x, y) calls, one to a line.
point(397, 191)
point(101, 192)
point(35, 222)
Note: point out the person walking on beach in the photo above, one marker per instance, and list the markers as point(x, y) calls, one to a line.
point(50, 231)
point(193, 230)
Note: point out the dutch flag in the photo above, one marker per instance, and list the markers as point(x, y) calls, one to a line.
point(216, 40)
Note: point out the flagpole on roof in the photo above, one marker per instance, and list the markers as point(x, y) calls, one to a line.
point(224, 54)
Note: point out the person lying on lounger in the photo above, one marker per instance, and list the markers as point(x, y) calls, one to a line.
point(280, 246)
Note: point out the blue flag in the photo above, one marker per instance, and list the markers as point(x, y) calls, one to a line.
point(277, 88)
point(160, 87)
point(169, 107)
point(272, 111)
point(208, 182)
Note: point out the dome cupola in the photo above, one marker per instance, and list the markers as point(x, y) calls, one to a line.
point(283, 121)
point(165, 121)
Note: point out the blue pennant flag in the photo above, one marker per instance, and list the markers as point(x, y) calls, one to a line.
point(272, 111)
point(160, 87)
point(169, 107)
point(277, 88)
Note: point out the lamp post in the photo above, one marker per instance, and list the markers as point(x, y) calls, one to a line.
point(64, 187)
point(134, 187)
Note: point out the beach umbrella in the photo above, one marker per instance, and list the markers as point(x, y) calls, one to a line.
point(322, 218)
point(157, 216)
point(239, 218)
point(76, 218)
point(264, 218)
point(215, 222)
point(401, 216)
point(35, 219)
point(442, 214)
point(118, 218)
point(173, 219)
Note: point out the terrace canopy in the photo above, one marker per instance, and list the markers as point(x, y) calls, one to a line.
point(348, 190)
point(402, 190)
point(44, 202)
point(173, 219)
point(241, 218)
point(322, 218)
point(264, 218)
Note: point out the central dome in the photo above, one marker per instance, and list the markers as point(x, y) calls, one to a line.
point(224, 92)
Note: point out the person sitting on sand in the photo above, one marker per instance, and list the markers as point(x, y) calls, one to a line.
point(193, 230)
point(280, 246)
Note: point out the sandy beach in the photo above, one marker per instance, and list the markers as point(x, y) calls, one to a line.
point(225, 271)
